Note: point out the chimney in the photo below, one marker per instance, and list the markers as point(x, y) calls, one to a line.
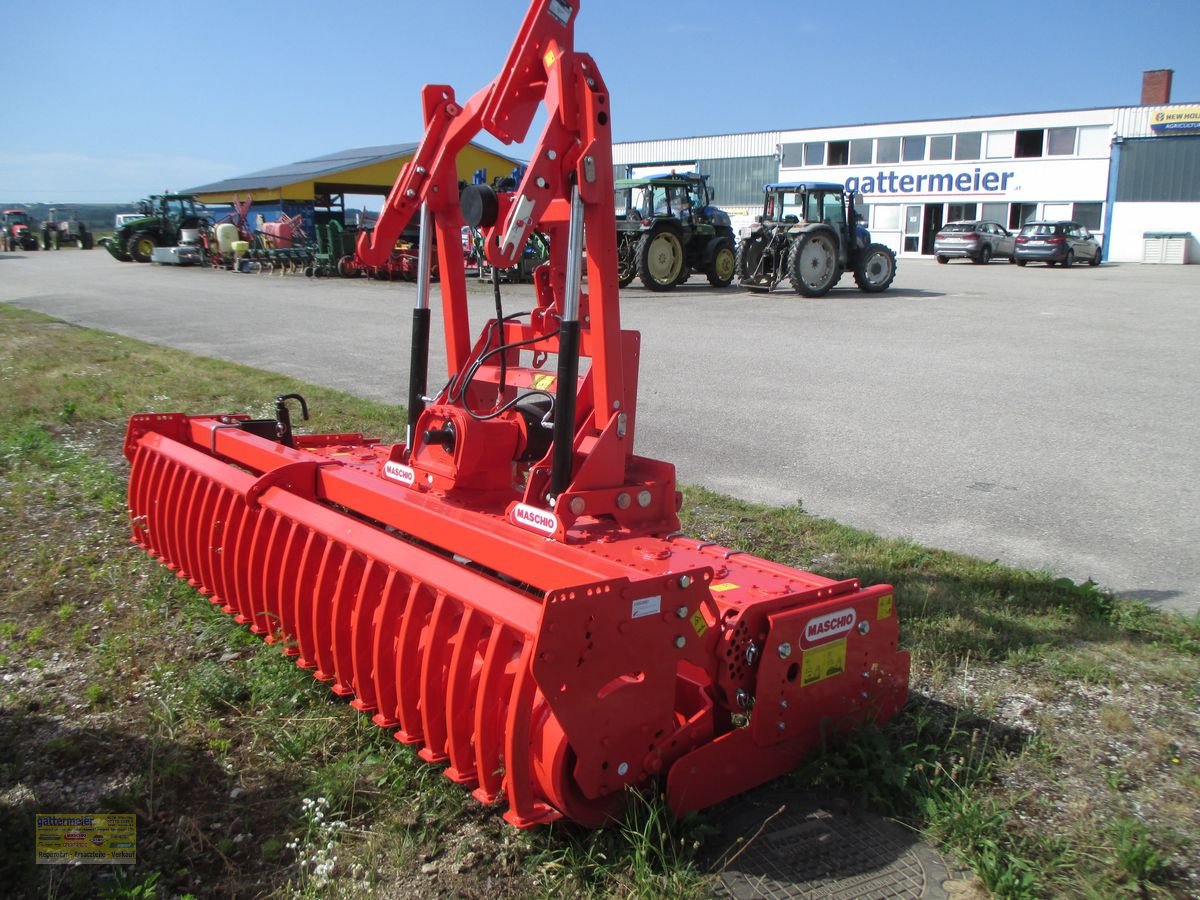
point(1156, 87)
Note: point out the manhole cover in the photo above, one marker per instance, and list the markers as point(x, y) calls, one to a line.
point(807, 845)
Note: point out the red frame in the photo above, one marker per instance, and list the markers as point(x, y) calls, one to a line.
point(551, 656)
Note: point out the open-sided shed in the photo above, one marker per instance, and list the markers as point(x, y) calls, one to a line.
point(315, 188)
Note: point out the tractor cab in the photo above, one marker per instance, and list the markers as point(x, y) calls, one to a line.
point(682, 198)
point(804, 204)
point(180, 210)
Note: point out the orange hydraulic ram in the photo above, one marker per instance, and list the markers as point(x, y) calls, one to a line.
point(507, 588)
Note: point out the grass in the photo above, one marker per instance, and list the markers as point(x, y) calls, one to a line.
point(1051, 740)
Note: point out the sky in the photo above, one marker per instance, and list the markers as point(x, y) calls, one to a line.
point(109, 102)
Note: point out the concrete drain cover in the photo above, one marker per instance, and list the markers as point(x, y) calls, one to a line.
point(804, 845)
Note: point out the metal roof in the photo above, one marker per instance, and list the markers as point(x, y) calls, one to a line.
point(319, 168)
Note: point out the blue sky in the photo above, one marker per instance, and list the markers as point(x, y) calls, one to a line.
point(108, 102)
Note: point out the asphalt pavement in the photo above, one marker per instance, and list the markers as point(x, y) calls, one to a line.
point(1045, 418)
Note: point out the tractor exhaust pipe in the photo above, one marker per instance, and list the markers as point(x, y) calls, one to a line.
point(418, 365)
point(563, 456)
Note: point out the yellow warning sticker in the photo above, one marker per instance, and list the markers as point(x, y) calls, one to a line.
point(699, 624)
point(549, 58)
point(97, 839)
point(543, 382)
point(723, 586)
point(823, 662)
point(885, 607)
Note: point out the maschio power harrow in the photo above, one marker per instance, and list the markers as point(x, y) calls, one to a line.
point(507, 589)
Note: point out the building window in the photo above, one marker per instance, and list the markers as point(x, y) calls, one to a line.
point(791, 155)
point(994, 212)
point(1000, 144)
point(1088, 215)
point(860, 151)
point(887, 150)
point(941, 146)
point(1020, 213)
point(1060, 141)
point(887, 217)
point(839, 153)
point(1029, 143)
point(960, 212)
point(914, 148)
point(814, 153)
point(967, 145)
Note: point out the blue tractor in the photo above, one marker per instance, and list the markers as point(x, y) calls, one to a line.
point(811, 233)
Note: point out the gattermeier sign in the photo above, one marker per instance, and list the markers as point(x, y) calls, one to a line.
point(1175, 119)
point(978, 181)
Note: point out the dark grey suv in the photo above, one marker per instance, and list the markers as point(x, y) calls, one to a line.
point(1056, 242)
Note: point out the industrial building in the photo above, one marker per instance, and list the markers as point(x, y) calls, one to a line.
point(1129, 174)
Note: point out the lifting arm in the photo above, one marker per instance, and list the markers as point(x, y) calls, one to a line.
point(566, 192)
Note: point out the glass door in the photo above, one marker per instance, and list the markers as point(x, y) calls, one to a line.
point(912, 229)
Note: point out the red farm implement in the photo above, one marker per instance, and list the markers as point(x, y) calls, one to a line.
point(507, 589)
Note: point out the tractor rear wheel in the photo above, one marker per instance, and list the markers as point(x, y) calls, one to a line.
point(141, 246)
point(876, 268)
point(813, 265)
point(627, 265)
point(722, 262)
point(660, 259)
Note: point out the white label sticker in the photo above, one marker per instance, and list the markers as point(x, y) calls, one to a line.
point(535, 519)
point(829, 625)
point(397, 472)
point(647, 606)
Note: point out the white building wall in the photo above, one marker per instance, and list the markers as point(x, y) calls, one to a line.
point(1132, 220)
point(1052, 183)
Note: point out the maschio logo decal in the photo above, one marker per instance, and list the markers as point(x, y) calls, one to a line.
point(829, 625)
point(534, 519)
point(398, 472)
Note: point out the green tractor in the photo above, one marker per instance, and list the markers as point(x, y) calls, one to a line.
point(811, 233)
point(163, 220)
point(667, 228)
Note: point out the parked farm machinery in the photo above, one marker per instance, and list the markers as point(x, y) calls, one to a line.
point(17, 230)
point(667, 228)
point(167, 220)
point(62, 228)
point(810, 233)
point(507, 588)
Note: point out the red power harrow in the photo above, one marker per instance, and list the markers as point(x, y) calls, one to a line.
point(507, 588)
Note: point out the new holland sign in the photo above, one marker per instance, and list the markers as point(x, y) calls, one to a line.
point(1175, 119)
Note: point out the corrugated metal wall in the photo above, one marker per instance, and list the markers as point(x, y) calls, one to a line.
point(1159, 170)
point(737, 182)
point(720, 146)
